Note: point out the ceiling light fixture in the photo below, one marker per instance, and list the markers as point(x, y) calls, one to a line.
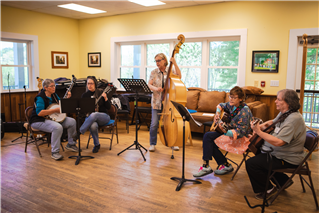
point(81, 8)
point(147, 3)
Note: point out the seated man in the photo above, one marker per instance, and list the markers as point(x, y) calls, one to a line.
point(38, 121)
point(287, 142)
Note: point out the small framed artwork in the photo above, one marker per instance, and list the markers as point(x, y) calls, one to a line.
point(59, 59)
point(94, 59)
point(265, 61)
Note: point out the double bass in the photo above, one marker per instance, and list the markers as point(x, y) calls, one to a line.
point(171, 122)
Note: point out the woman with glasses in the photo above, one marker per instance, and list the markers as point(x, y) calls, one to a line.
point(98, 118)
point(234, 140)
point(46, 97)
point(156, 84)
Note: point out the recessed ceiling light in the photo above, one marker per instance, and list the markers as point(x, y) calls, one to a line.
point(81, 8)
point(147, 3)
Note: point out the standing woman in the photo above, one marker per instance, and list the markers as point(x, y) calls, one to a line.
point(234, 140)
point(156, 83)
point(98, 118)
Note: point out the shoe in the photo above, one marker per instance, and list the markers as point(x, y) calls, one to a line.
point(288, 185)
point(203, 171)
point(152, 148)
point(223, 170)
point(72, 148)
point(259, 196)
point(96, 149)
point(175, 148)
point(56, 156)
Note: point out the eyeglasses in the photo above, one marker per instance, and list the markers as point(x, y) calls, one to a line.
point(90, 83)
point(157, 61)
point(232, 98)
point(52, 86)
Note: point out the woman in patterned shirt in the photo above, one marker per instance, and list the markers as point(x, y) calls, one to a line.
point(234, 140)
point(156, 84)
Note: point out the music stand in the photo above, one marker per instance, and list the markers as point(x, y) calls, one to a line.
point(186, 117)
point(78, 106)
point(138, 86)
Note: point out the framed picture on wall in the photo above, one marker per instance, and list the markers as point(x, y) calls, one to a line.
point(265, 61)
point(59, 59)
point(94, 59)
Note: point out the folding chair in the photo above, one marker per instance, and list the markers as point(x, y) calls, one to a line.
point(311, 144)
point(46, 137)
point(112, 125)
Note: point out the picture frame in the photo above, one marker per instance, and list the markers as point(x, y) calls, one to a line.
point(59, 59)
point(94, 59)
point(265, 61)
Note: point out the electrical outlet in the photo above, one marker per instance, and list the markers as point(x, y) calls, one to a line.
point(256, 83)
point(274, 83)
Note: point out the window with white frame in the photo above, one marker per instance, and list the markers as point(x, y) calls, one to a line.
point(210, 63)
point(18, 64)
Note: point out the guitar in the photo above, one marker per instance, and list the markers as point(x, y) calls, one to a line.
point(256, 141)
point(224, 119)
point(110, 89)
point(60, 117)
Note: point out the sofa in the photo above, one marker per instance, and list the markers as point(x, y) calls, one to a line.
point(205, 103)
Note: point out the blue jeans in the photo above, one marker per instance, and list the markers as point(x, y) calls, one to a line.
point(56, 130)
point(211, 149)
point(154, 126)
point(93, 122)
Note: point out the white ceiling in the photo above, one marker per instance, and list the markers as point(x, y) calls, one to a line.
point(113, 7)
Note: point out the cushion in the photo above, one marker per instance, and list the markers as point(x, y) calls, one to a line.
point(251, 90)
point(192, 111)
point(197, 88)
point(192, 99)
point(250, 98)
point(208, 101)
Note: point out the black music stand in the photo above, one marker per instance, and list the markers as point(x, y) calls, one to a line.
point(80, 106)
point(138, 86)
point(186, 117)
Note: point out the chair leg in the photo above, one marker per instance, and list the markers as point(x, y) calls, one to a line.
point(238, 167)
point(35, 141)
point(88, 141)
point(111, 138)
point(117, 133)
point(302, 184)
point(25, 149)
point(127, 122)
point(313, 191)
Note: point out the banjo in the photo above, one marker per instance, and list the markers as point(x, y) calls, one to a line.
point(60, 117)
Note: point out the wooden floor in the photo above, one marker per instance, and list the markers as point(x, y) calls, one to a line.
point(127, 183)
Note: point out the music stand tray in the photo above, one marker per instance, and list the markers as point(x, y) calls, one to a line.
point(137, 86)
point(186, 117)
point(78, 106)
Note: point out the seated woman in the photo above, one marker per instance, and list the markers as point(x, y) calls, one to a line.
point(234, 140)
point(98, 118)
point(287, 143)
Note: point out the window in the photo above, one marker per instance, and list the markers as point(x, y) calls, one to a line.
point(310, 110)
point(210, 60)
point(18, 64)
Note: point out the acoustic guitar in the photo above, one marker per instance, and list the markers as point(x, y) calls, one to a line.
point(224, 119)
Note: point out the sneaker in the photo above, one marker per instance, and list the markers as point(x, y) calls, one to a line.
point(152, 148)
point(175, 148)
point(203, 171)
point(56, 156)
point(72, 148)
point(223, 170)
point(96, 149)
point(259, 196)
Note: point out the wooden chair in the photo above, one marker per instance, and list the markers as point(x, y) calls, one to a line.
point(112, 125)
point(311, 144)
point(46, 137)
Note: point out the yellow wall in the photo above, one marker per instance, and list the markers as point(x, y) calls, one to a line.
point(268, 25)
point(54, 34)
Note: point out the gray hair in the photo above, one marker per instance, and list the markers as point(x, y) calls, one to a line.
point(47, 82)
point(163, 56)
point(291, 98)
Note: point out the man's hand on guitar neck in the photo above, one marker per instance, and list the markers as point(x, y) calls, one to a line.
point(69, 95)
